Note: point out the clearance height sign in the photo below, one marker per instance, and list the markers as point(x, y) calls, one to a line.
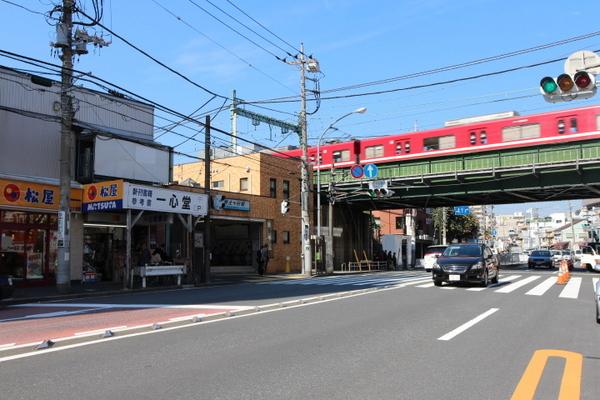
point(117, 194)
point(35, 195)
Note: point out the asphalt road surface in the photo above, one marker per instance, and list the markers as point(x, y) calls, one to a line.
point(379, 336)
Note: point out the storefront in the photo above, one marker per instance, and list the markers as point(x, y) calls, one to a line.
point(28, 230)
point(126, 223)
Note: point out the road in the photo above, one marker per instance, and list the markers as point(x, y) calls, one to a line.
point(379, 336)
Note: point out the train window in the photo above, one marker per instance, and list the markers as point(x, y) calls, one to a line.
point(573, 128)
point(341, 155)
point(407, 147)
point(598, 121)
point(560, 126)
point(483, 137)
point(473, 138)
point(511, 133)
point(439, 143)
point(374, 151)
point(398, 148)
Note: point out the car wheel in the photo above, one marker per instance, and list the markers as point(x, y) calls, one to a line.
point(589, 267)
point(485, 282)
point(437, 282)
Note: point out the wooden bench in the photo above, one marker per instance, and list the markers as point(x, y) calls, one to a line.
point(158, 270)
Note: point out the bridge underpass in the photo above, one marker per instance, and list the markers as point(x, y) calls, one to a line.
point(542, 173)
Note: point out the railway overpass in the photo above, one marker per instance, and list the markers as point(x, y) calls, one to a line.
point(538, 173)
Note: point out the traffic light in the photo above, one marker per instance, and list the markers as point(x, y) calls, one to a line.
point(285, 207)
point(581, 85)
point(380, 189)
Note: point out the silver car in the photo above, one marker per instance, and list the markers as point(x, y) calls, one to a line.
point(597, 296)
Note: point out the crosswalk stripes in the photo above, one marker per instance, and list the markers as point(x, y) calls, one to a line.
point(571, 290)
point(543, 287)
point(501, 281)
point(514, 286)
point(594, 282)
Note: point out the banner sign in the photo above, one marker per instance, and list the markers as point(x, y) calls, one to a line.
point(117, 194)
point(140, 197)
point(103, 196)
point(35, 195)
point(220, 202)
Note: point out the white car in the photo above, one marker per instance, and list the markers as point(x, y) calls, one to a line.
point(431, 254)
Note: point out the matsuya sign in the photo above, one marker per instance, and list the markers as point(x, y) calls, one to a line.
point(117, 194)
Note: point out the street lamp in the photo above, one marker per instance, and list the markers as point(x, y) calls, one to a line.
point(360, 110)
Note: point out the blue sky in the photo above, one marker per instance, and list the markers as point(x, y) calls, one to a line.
point(354, 41)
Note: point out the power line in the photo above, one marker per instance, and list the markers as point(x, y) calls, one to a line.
point(264, 27)
point(235, 30)
point(25, 8)
point(30, 60)
point(180, 19)
point(154, 59)
point(248, 28)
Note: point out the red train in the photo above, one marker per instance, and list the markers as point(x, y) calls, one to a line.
point(479, 134)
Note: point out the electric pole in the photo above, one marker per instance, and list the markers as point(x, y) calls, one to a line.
point(205, 275)
point(63, 272)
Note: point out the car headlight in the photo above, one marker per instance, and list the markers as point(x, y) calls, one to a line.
point(10, 282)
point(436, 266)
point(478, 265)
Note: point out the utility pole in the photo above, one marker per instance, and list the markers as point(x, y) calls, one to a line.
point(63, 271)
point(572, 227)
point(444, 226)
point(232, 109)
point(205, 275)
point(306, 253)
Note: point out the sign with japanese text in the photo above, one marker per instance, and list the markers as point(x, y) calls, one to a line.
point(103, 196)
point(140, 197)
point(35, 195)
point(221, 202)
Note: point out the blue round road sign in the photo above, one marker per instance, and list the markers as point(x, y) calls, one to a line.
point(371, 171)
point(357, 171)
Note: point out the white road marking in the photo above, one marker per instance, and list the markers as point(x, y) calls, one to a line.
point(594, 282)
point(542, 287)
point(430, 284)
point(500, 282)
point(514, 286)
point(448, 287)
point(2, 346)
point(571, 290)
point(452, 334)
point(94, 306)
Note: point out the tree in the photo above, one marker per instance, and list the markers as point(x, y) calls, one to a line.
point(458, 227)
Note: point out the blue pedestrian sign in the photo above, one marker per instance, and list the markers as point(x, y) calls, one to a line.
point(357, 171)
point(462, 210)
point(371, 171)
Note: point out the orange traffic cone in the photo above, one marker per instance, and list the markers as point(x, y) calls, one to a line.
point(563, 273)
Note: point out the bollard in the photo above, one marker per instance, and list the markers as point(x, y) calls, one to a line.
point(287, 264)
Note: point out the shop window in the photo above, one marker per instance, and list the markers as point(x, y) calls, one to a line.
point(473, 138)
point(598, 121)
point(273, 187)
point(286, 237)
point(243, 184)
point(286, 189)
point(273, 236)
point(400, 223)
point(218, 184)
point(14, 217)
point(374, 151)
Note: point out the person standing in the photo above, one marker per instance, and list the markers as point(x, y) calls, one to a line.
point(259, 261)
point(264, 256)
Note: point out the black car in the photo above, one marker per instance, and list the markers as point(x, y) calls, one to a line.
point(540, 258)
point(473, 263)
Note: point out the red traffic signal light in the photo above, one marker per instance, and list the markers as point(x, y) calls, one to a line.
point(583, 80)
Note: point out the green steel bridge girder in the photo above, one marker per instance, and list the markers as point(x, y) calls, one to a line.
point(541, 173)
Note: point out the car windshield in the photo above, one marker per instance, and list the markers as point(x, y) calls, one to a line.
point(541, 254)
point(435, 250)
point(567, 252)
point(463, 251)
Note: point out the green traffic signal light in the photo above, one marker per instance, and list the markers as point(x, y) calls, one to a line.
point(548, 85)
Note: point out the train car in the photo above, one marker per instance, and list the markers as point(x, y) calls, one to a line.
point(471, 135)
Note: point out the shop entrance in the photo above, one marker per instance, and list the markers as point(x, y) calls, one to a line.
point(234, 245)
